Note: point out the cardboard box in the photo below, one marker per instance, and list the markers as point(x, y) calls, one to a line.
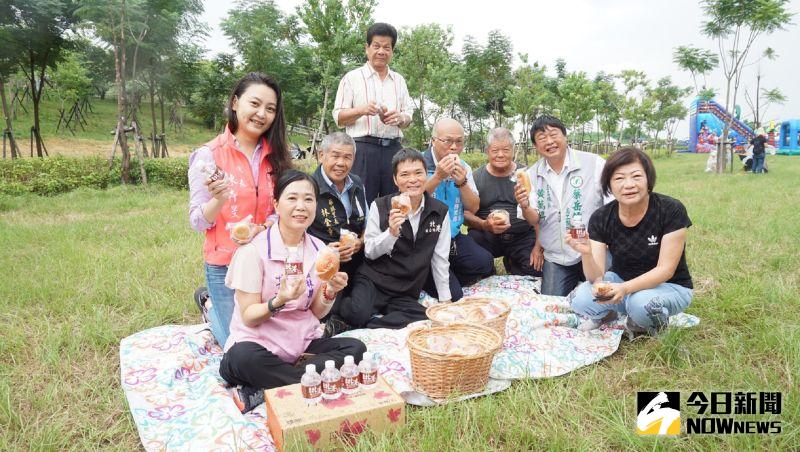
point(331, 423)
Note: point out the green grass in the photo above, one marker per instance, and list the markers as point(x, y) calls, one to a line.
point(83, 270)
point(97, 137)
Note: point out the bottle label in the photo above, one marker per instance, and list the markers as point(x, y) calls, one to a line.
point(369, 378)
point(350, 383)
point(311, 392)
point(578, 232)
point(331, 387)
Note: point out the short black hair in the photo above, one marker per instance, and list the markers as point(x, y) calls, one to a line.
point(543, 122)
point(406, 155)
point(381, 29)
point(293, 175)
point(626, 156)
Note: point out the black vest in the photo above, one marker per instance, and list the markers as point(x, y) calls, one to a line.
point(331, 216)
point(405, 270)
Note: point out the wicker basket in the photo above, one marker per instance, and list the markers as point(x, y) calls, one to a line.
point(498, 323)
point(442, 375)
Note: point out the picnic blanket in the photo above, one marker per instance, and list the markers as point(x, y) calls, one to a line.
point(178, 400)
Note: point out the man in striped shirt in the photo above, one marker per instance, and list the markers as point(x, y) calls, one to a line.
point(373, 105)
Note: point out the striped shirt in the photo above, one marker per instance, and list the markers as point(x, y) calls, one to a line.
point(363, 85)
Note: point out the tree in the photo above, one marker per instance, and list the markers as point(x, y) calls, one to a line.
point(424, 59)
point(735, 25)
point(576, 101)
point(775, 95)
point(631, 109)
point(98, 61)
point(216, 79)
point(337, 30)
point(607, 106)
point(666, 102)
point(7, 67)
point(696, 61)
point(35, 32)
point(529, 95)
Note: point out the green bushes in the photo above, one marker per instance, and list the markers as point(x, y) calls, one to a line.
point(51, 176)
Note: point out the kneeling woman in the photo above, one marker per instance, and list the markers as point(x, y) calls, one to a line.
point(276, 318)
point(645, 232)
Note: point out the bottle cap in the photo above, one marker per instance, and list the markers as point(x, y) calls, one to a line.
point(329, 364)
point(310, 368)
point(577, 219)
point(367, 356)
point(348, 359)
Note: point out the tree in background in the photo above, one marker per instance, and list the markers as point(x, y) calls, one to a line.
point(770, 95)
point(576, 102)
point(529, 96)
point(7, 67)
point(98, 60)
point(666, 102)
point(35, 32)
point(735, 25)
point(607, 106)
point(215, 82)
point(696, 61)
point(632, 80)
point(431, 72)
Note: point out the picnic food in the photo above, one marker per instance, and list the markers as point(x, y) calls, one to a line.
point(347, 238)
point(452, 345)
point(402, 202)
point(471, 313)
point(327, 263)
point(241, 231)
point(501, 214)
point(524, 180)
point(602, 290)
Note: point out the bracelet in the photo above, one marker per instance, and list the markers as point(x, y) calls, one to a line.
point(461, 184)
point(325, 296)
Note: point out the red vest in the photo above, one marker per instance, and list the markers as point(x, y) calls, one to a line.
point(248, 199)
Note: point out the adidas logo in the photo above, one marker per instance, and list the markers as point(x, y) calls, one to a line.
point(652, 241)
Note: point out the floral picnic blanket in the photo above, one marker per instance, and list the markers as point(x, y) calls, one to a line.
point(178, 400)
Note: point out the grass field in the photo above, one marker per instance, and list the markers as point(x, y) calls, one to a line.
point(83, 270)
point(98, 135)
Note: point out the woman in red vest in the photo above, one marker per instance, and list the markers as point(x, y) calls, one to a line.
point(251, 153)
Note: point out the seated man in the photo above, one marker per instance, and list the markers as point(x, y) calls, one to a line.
point(495, 226)
point(450, 181)
point(401, 250)
point(341, 203)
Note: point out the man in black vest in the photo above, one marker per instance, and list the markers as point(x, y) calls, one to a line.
point(341, 203)
point(400, 250)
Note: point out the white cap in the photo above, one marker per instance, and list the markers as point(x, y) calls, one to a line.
point(367, 356)
point(329, 364)
point(577, 219)
point(310, 368)
point(348, 359)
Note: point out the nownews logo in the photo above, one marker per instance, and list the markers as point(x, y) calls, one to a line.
point(659, 413)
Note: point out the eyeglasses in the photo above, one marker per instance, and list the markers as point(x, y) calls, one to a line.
point(459, 142)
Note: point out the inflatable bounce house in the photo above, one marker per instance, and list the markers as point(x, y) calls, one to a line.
point(706, 122)
point(789, 141)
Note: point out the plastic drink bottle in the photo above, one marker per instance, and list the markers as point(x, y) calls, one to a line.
point(331, 381)
point(350, 376)
point(368, 371)
point(311, 385)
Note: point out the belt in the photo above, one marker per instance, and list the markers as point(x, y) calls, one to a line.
point(383, 142)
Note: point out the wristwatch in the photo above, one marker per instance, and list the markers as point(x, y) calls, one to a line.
point(273, 309)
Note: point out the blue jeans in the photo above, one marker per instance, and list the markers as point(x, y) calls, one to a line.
point(648, 308)
point(758, 162)
point(559, 280)
point(221, 302)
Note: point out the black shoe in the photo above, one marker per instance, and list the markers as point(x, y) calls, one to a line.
point(335, 325)
point(247, 398)
point(200, 298)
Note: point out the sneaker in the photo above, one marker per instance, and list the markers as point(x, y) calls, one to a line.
point(247, 398)
point(334, 325)
point(589, 325)
point(200, 299)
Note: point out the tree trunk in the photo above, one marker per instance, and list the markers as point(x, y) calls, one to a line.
point(9, 127)
point(156, 147)
point(119, 57)
point(758, 96)
point(318, 133)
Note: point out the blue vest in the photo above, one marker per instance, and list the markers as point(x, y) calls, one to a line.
point(448, 193)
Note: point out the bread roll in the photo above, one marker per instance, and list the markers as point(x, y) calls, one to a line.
point(327, 263)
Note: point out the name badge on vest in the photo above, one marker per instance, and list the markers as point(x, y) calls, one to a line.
point(433, 227)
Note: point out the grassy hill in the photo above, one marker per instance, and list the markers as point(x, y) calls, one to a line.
point(83, 270)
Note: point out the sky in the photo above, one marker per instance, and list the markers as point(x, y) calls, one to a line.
point(592, 36)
